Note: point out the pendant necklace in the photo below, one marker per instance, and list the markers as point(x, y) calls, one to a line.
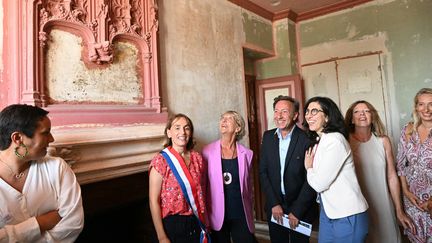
point(17, 176)
point(227, 177)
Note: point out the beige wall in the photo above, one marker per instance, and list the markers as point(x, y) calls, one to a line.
point(201, 65)
point(201, 61)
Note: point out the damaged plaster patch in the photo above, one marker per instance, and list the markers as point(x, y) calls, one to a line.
point(351, 31)
point(415, 39)
point(319, 83)
point(343, 48)
point(257, 30)
point(69, 80)
point(361, 6)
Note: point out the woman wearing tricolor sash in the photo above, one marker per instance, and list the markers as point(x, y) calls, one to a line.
point(229, 190)
point(177, 181)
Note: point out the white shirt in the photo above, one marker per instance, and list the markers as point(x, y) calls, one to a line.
point(50, 185)
point(284, 143)
point(333, 176)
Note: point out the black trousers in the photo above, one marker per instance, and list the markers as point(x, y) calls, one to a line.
point(182, 229)
point(235, 229)
point(280, 234)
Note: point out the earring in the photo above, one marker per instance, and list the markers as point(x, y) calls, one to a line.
point(20, 155)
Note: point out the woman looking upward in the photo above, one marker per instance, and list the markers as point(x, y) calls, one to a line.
point(229, 192)
point(376, 172)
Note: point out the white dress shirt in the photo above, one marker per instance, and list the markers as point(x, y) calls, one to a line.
point(50, 185)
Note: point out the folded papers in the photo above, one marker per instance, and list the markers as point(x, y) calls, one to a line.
point(302, 227)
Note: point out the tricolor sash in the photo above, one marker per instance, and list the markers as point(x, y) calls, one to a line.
point(188, 186)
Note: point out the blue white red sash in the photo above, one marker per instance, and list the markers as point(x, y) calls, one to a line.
point(188, 186)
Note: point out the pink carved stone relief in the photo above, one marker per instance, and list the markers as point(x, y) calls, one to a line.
point(98, 23)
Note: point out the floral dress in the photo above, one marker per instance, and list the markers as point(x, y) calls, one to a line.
point(414, 161)
point(172, 199)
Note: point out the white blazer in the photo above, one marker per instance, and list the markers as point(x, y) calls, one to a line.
point(333, 176)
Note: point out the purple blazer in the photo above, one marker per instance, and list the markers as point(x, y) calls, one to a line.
point(215, 188)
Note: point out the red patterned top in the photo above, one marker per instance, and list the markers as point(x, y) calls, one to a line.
point(172, 200)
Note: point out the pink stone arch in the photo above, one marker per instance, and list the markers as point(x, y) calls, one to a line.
point(98, 23)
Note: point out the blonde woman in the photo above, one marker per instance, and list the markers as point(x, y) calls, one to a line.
point(414, 166)
point(229, 196)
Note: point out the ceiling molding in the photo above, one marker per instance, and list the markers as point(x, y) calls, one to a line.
point(296, 17)
point(285, 14)
point(248, 5)
point(330, 9)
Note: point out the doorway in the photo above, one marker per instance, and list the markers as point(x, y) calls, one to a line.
point(260, 95)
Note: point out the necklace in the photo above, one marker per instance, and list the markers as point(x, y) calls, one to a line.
point(16, 175)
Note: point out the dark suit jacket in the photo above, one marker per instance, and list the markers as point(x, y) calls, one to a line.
point(299, 196)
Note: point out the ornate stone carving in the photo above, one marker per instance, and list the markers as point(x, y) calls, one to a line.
point(99, 23)
point(105, 20)
point(70, 155)
point(101, 52)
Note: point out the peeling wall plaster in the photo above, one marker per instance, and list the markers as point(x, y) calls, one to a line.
point(285, 61)
point(68, 80)
point(280, 65)
point(399, 28)
point(202, 61)
point(258, 31)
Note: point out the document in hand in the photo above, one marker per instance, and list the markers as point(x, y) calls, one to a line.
point(303, 227)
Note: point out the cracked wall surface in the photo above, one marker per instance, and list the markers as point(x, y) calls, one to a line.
point(401, 29)
point(70, 81)
point(202, 61)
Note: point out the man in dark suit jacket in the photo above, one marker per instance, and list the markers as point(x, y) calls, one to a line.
point(282, 173)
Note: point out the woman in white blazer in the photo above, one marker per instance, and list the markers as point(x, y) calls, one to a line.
point(331, 172)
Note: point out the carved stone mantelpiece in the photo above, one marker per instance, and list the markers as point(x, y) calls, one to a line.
point(102, 21)
point(100, 24)
point(106, 152)
point(100, 140)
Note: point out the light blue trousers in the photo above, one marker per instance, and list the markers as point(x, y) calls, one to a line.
point(350, 229)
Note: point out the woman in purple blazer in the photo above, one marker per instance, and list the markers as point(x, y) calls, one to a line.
point(229, 183)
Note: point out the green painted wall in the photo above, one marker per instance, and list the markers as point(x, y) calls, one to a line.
point(280, 65)
point(293, 47)
point(407, 24)
point(258, 31)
